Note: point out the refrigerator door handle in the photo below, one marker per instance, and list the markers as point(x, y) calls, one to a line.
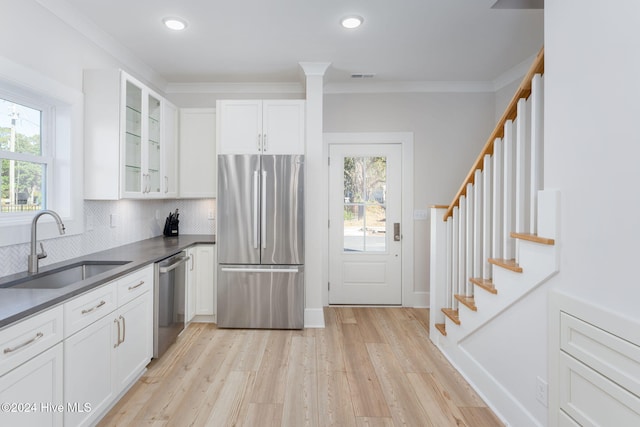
point(255, 209)
point(263, 222)
point(259, 270)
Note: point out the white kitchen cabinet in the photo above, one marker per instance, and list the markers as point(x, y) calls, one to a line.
point(170, 177)
point(260, 126)
point(105, 357)
point(198, 163)
point(127, 141)
point(201, 285)
point(33, 391)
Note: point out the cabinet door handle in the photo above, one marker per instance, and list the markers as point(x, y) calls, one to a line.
point(258, 143)
point(87, 311)
point(264, 142)
point(136, 286)
point(166, 184)
point(124, 330)
point(193, 262)
point(118, 326)
point(24, 344)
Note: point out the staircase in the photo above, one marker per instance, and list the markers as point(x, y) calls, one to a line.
point(497, 240)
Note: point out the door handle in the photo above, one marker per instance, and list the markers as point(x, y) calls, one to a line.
point(396, 232)
point(255, 209)
point(263, 222)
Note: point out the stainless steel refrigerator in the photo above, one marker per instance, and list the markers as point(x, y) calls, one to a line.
point(260, 238)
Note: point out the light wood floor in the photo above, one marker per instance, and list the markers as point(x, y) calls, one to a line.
point(368, 367)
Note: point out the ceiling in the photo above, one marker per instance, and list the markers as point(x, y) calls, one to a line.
point(264, 40)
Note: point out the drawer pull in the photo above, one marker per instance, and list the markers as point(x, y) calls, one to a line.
point(118, 325)
point(93, 308)
point(136, 286)
point(31, 341)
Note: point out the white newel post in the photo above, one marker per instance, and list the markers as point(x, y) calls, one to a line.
point(449, 295)
point(438, 268)
point(316, 262)
point(537, 151)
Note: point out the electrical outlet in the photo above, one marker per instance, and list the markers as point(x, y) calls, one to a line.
point(542, 391)
point(420, 215)
point(210, 215)
point(114, 220)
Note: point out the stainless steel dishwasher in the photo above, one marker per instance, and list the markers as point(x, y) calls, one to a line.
point(169, 302)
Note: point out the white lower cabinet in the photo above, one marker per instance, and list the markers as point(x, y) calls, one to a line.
point(31, 394)
point(103, 359)
point(201, 284)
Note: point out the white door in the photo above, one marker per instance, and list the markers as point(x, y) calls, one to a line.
point(365, 200)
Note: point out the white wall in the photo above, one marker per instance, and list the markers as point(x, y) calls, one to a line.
point(449, 131)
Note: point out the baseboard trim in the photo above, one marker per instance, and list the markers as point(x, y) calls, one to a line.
point(313, 318)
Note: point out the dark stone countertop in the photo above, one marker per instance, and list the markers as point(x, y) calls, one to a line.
point(17, 304)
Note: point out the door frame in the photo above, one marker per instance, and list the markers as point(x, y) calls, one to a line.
point(405, 139)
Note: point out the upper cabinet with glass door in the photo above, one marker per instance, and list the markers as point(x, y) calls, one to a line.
point(126, 135)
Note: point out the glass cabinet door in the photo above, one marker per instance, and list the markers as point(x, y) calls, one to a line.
point(133, 139)
point(153, 147)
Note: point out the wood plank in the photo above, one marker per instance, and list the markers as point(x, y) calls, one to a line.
point(403, 402)
point(442, 412)
point(270, 383)
point(367, 325)
point(301, 397)
point(263, 414)
point(509, 264)
point(441, 327)
point(468, 302)
point(452, 314)
point(480, 417)
point(365, 390)
point(375, 422)
point(486, 284)
point(533, 238)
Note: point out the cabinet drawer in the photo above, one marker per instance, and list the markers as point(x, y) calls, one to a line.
point(593, 400)
point(135, 284)
point(30, 337)
point(610, 355)
point(88, 308)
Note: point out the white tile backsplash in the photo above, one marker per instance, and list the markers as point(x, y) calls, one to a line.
point(134, 220)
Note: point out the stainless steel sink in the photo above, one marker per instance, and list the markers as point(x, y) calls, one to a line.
point(65, 276)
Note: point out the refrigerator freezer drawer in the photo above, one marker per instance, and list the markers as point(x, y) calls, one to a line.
point(262, 297)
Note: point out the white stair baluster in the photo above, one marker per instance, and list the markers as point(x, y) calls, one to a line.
point(468, 288)
point(497, 208)
point(508, 201)
point(478, 247)
point(449, 267)
point(455, 255)
point(462, 248)
point(523, 133)
point(487, 206)
point(537, 151)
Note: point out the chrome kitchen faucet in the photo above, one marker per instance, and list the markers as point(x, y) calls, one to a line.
point(33, 255)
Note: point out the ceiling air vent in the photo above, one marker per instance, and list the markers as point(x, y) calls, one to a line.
point(362, 76)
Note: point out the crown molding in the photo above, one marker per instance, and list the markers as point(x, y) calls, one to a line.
point(255, 88)
point(314, 68)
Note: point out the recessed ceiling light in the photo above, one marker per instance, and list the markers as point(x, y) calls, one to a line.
point(351, 22)
point(176, 24)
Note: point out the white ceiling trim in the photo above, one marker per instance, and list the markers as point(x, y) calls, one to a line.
point(78, 21)
point(257, 88)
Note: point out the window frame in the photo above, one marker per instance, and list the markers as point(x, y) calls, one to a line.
point(62, 138)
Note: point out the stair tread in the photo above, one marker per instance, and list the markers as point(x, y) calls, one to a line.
point(452, 314)
point(442, 328)
point(486, 284)
point(468, 302)
point(509, 264)
point(533, 238)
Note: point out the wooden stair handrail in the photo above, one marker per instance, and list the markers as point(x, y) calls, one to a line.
point(524, 90)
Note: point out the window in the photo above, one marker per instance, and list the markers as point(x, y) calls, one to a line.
point(41, 154)
point(24, 160)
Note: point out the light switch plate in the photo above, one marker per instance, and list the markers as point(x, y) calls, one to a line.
point(420, 215)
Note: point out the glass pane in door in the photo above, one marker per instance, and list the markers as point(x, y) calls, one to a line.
point(364, 204)
point(133, 134)
point(154, 145)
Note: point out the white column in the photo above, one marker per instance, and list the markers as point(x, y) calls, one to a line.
point(508, 195)
point(498, 208)
point(487, 207)
point(439, 265)
point(523, 133)
point(537, 147)
point(316, 261)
